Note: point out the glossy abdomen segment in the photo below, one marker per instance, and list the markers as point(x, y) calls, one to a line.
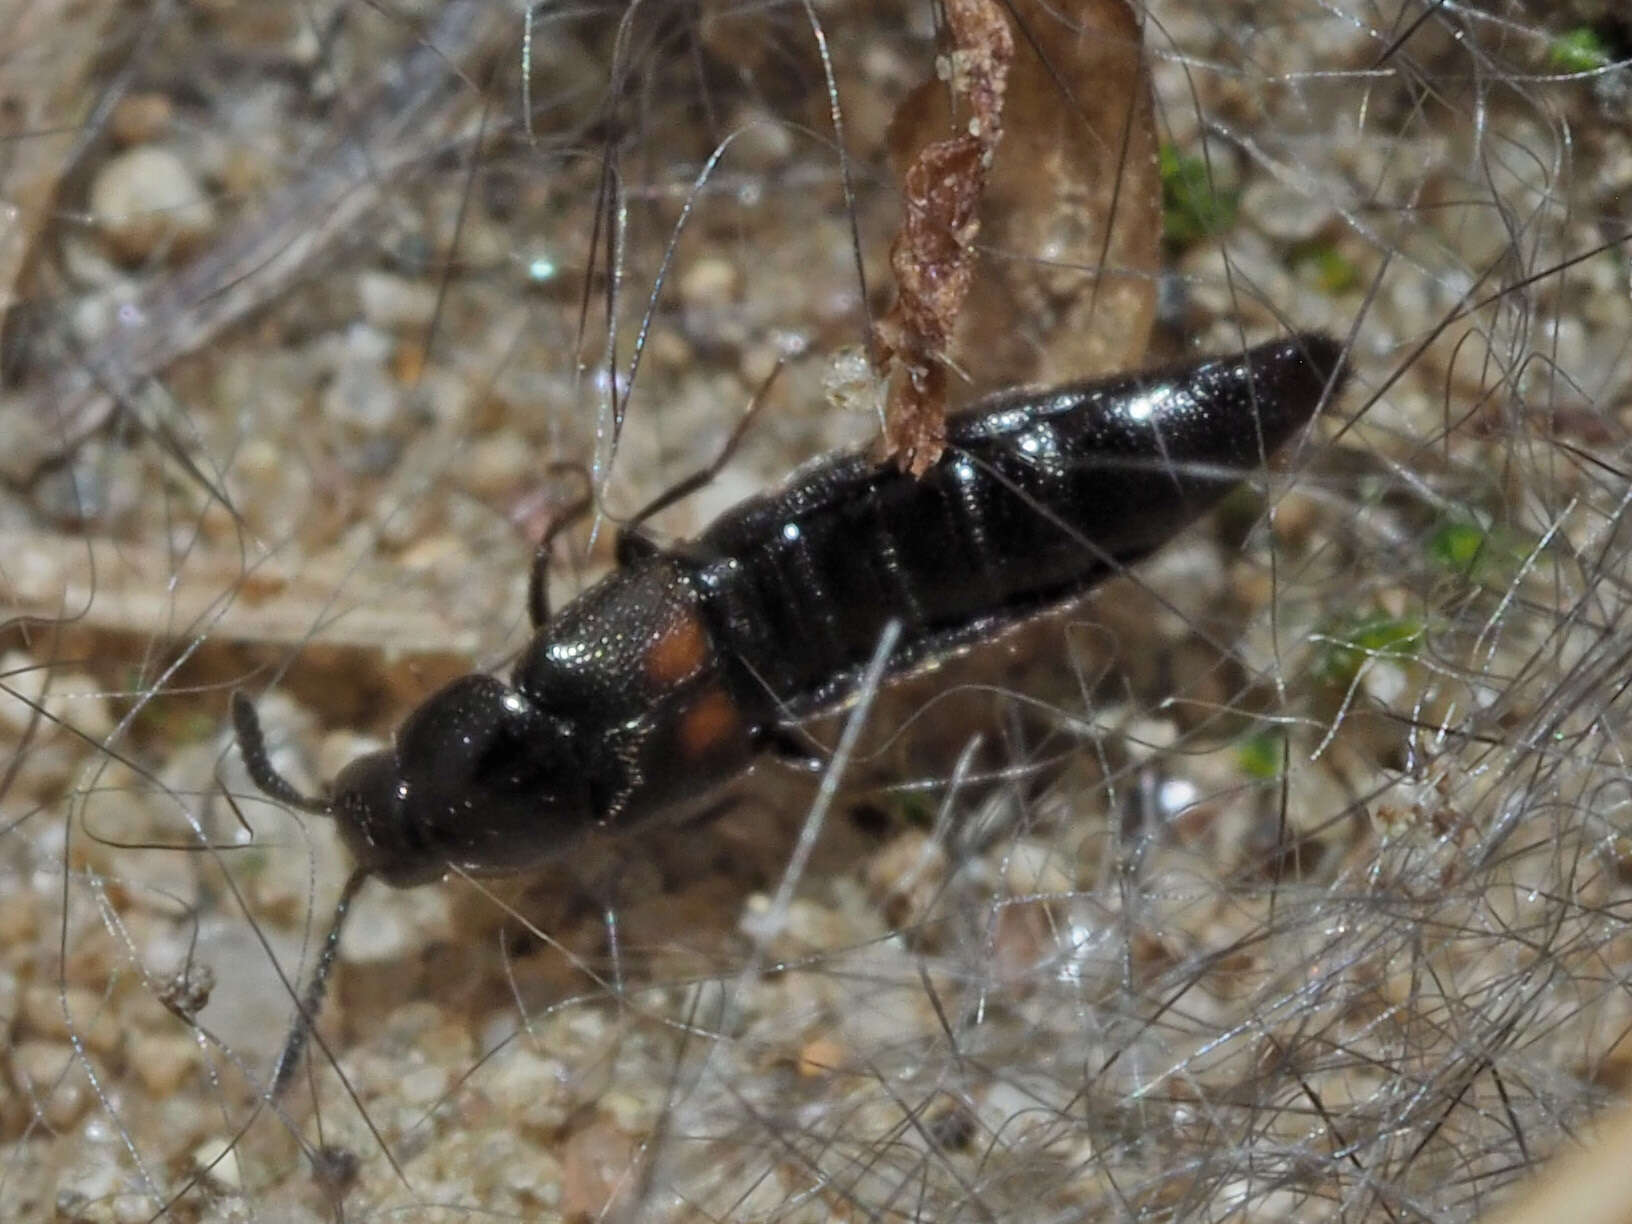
point(1039, 495)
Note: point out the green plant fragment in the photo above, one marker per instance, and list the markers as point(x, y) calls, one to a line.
point(1579, 50)
point(1348, 647)
point(1261, 755)
point(1192, 208)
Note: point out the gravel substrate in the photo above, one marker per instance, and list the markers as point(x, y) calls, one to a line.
point(1286, 878)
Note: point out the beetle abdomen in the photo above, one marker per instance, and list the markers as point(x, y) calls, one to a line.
point(1040, 494)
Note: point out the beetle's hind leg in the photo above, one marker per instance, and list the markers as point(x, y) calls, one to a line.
point(538, 580)
point(634, 543)
point(791, 747)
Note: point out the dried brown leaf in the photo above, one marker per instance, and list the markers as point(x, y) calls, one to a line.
point(1067, 216)
point(933, 255)
point(1072, 220)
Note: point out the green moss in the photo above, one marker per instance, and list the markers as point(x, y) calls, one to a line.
point(1238, 513)
point(250, 863)
point(1456, 546)
point(1492, 557)
point(1262, 754)
point(167, 721)
point(1330, 270)
point(1578, 50)
point(1193, 209)
point(1348, 646)
point(911, 809)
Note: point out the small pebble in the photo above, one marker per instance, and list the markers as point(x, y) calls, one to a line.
point(77, 1013)
point(19, 923)
point(394, 303)
point(630, 1113)
point(25, 681)
point(906, 876)
point(821, 1057)
point(1020, 941)
point(1147, 737)
point(79, 700)
point(140, 117)
point(805, 925)
point(44, 1072)
point(535, 1174)
point(849, 384)
point(668, 348)
point(529, 1089)
point(362, 393)
point(597, 1164)
point(408, 362)
point(761, 140)
point(217, 1160)
point(99, 487)
point(389, 926)
point(1391, 821)
point(1032, 868)
point(88, 1189)
point(759, 362)
point(1284, 213)
point(245, 172)
point(709, 283)
point(423, 1087)
point(163, 1061)
point(1385, 681)
point(496, 463)
point(148, 203)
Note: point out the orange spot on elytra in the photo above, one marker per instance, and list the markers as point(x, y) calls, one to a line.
point(711, 718)
point(678, 653)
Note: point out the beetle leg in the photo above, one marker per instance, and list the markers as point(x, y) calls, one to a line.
point(698, 479)
point(538, 579)
point(793, 748)
point(633, 545)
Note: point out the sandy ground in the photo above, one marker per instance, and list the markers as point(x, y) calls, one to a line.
point(1286, 878)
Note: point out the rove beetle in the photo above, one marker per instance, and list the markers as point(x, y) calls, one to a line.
point(673, 673)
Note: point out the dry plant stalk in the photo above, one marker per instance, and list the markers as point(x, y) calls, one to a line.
point(1071, 198)
point(933, 255)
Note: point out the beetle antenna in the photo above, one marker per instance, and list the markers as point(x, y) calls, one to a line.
point(252, 748)
point(312, 1001)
